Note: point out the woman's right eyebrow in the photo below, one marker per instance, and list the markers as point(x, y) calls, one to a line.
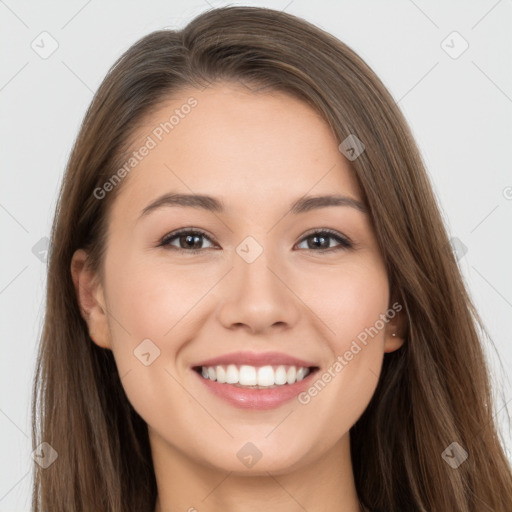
point(171, 199)
point(216, 205)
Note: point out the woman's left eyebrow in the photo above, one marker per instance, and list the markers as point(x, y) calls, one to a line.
point(212, 204)
point(308, 203)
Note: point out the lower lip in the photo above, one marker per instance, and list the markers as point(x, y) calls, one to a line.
point(259, 399)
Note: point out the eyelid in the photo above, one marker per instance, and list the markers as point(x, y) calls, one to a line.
point(333, 232)
point(174, 234)
point(344, 241)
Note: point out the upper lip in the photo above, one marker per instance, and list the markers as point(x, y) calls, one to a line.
point(256, 359)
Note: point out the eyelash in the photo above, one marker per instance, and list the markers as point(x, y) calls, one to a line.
point(344, 242)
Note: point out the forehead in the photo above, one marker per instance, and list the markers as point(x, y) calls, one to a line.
point(247, 148)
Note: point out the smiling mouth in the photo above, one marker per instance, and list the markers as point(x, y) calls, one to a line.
point(255, 377)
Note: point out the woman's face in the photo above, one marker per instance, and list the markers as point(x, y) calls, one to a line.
point(265, 277)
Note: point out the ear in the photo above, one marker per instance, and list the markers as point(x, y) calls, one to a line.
point(91, 299)
point(394, 332)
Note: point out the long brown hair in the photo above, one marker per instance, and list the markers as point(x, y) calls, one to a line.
point(434, 391)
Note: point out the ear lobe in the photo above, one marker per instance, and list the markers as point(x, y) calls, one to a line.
point(90, 299)
point(393, 342)
point(394, 334)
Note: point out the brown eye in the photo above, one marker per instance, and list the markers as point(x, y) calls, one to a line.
point(322, 240)
point(188, 240)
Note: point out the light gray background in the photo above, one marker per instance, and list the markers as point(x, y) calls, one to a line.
point(460, 111)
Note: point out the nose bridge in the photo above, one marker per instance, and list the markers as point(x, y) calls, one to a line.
point(258, 296)
point(253, 264)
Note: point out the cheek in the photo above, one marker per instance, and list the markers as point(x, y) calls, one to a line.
point(346, 304)
point(151, 300)
point(360, 310)
point(154, 312)
point(148, 308)
point(350, 306)
point(347, 299)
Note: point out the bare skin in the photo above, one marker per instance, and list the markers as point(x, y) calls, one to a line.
point(258, 153)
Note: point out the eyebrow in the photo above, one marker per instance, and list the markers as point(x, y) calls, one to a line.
point(212, 204)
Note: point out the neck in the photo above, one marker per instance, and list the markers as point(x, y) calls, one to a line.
point(325, 485)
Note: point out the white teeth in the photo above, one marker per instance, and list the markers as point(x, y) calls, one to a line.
point(301, 373)
point(280, 375)
point(232, 374)
point(290, 376)
point(247, 376)
point(265, 376)
point(262, 376)
point(221, 374)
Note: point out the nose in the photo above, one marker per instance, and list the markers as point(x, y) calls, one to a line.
point(258, 298)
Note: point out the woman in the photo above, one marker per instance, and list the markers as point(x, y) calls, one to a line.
point(251, 297)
